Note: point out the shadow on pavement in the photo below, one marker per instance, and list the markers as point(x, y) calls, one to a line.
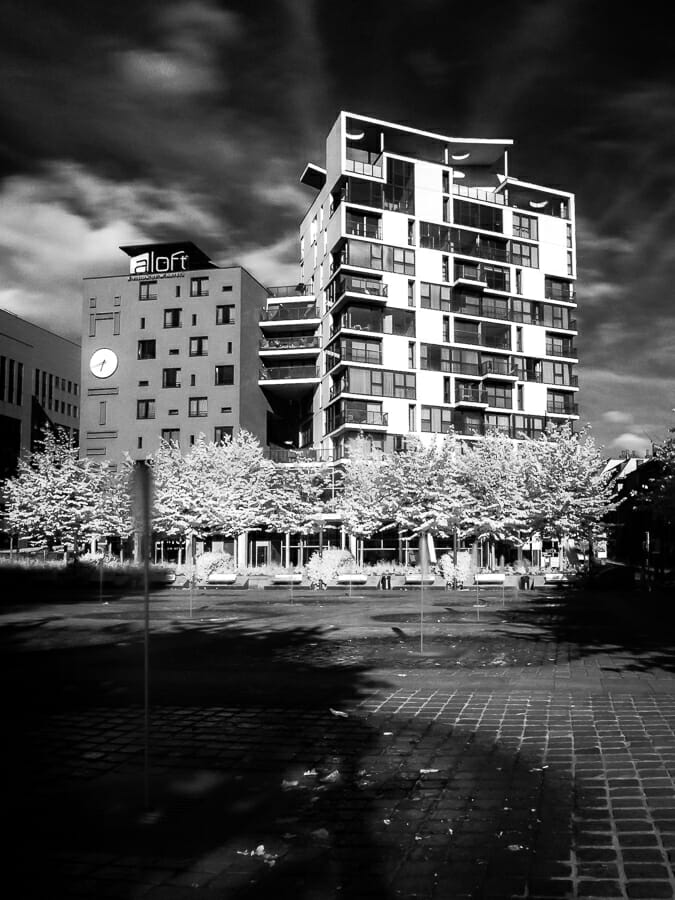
point(634, 627)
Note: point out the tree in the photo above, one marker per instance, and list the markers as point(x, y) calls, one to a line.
point(363, 501)
point(56, 497)
point(569, 492)
point(294, 494)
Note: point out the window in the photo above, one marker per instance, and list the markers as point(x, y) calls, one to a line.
point(147, 290)
point(445, 181)
point(92, 303)
point(143, 383)
point(117, 301)
point(411, 293)
point(174, 351)
point(171, 435)
point(445, 268)
point(570, 263)
point(411, 232)
point(194, 319)
point(226, 409)
point(411, 417)
point(172, 318)
point(198, 406)
point(446, 329)
point(411, 354)
point(229, 346)
point(436, 419)
point(224, 375)
point(226, 288)
point(142, 322)
point(199, 287)
point(146, 349)
point(499, 395)
point(101, 412)
point(569, 235)
point(145, 409)
point(222, 432)
point(170, 378)
point(435, 358)
point(475, 215)
point(139, 443)
point(199, 346)
point(177, 290)
point(435, 296)
point(519, 281)
point(525, 227)
point(524, 255)
point(193, 380)
point(225, 315)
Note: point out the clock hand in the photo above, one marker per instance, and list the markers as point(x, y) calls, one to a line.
point(102, 364)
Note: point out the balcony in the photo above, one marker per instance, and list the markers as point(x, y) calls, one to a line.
point(457, 367)
point(477, 194)
point(291, 290)
point(362, 287)
point(361, 324)
point(363, 226)
point(470, 395)
point(363, 162)
point(289, 373)
point(569, 351)
point(563, 293)
point(499, 368)
point(291, 343)
point(359, 418)
point(561, 409)
point(496, 341)
point(290, 313)
point(369, 355)
point(295, 457)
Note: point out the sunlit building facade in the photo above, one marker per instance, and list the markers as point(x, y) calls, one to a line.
point(436, 290)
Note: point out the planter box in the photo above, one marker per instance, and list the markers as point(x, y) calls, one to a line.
point(490, 578)
point(287, 579)
point(417, 579)
point(222, 578)
point(349, 578)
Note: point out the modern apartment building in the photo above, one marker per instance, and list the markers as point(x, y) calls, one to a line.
point(39, 386)
point(436, 290)
point(169, 350)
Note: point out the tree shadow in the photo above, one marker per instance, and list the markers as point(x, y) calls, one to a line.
point(633, 628)
point(264, 781)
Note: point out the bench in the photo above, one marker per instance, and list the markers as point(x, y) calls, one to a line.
point(417, 579)
point(491, 579)
point(351, 578)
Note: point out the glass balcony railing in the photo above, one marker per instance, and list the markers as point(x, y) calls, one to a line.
point(499, 342)
point(298, 342)
point(360, 417)
point(290, 290)
point(306, 455)
point(370, 355)
point(478, 194)
point(562, 409)
point(283, 373)
point(363, 226)
point(355, 285)
point(284, 313)
point(470, 394)
point(499, 367)
point(567, 350)
point(363, 162)
point(357, 324)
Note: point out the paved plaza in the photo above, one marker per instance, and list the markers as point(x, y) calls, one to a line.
point(316, 745)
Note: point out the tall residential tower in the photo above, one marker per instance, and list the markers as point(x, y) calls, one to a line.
point(436, 290)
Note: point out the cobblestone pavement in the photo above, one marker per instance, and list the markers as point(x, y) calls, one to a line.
point(316, 750)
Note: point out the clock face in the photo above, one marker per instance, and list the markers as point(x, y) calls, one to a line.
point(103, 363)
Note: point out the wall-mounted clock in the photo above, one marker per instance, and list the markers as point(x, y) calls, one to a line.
point(103, 363)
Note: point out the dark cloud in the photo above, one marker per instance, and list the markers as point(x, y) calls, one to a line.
point(138, 120)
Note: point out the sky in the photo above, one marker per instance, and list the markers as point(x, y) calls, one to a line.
point(139, 121)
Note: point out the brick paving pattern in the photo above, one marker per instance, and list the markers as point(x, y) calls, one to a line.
point(540, 773)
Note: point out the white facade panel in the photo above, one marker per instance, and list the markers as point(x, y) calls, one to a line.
point(428, 265)
point(394, 229)
point(534, 340)
point(534, 399)
point(430, 388)
point(553, 246)
point(428, 192)
point(428, 330)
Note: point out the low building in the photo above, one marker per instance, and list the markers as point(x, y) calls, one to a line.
point(39, 387)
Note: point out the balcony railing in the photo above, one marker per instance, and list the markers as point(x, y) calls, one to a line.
point(349, 322)
point(362, 226)
point(498, 367)
point(564, 294)
point(465, 368)
point(372, 356)
point(362, 162)
point(355, 285)
point(470, 394)
point(485, 340)
point(568, 350)
point(562, 409)
point(360, 417)
point(282, 373)
point(478, 194)
point(283, 313)
point(290, 290)
point(283, 455)
point(299, 342)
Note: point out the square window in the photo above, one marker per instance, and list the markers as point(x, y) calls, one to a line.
point(147, 349)
point(198, 407)
point(170, 378)
point(172, 318)
point(225, 315)
point(145, 409)
point(199, 346)
point(224, 375)
point(199, 286)
point(222, 432)
point(147, 290)
point(171, 435)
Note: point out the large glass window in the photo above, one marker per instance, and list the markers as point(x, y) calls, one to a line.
point(475, 215)
point(524, 255)
point(222, 432)
point(435, 296)
point(199, 286)
point(499, 395)
point(525, 227)
point(225, 314)
point(435, 357)
point(147, 290)
point(171, 435)
point(436, 419)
